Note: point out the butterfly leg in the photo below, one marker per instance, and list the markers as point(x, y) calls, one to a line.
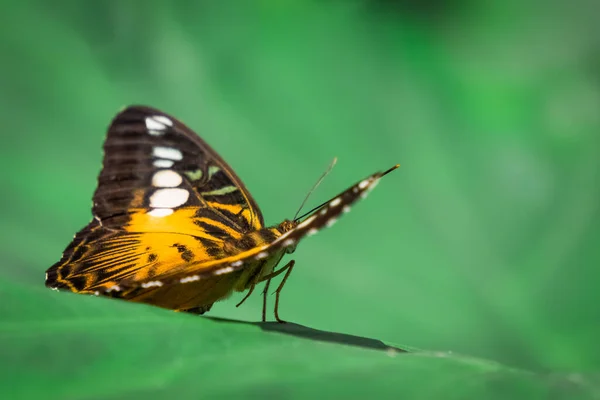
point(269, 277)
point(289, 268)
point(265, 292)
point(276, 273)
point(246, 296)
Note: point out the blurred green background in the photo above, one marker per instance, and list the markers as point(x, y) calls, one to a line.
point(485, 243)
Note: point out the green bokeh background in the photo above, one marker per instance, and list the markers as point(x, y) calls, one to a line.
point(482, 249)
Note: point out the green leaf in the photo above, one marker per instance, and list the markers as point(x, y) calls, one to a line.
point(85, 347)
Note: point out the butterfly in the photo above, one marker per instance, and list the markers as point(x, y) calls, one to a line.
point(173, 225)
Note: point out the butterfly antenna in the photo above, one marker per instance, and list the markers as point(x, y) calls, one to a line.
point(328, 201)
point(331, 165)
point(390, 170)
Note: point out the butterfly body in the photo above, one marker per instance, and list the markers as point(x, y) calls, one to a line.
point(174, 226)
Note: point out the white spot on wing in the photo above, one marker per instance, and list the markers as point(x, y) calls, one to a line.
point(373, 184)
point(237, 263)
point(157, 124)
point(166, 178)
point(331, 222)
point(225, 270)
point(307, 222)
point(335, 202)
point(346, 209)
point(167, 152)
point(152, 284)
point(160, 163)
point(115, 288)
point(163, 120)
point(188, 279)
point(364, 184)
point(261, 255)
point(169, 198)
point(160, 212)
point(289, 242)
point(312, 232)
point(323, 211)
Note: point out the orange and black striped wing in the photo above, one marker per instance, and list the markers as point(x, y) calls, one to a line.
point(164, 200)
point(101, 258)
point(193, 274)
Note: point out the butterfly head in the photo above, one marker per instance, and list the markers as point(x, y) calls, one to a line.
point(286, 226)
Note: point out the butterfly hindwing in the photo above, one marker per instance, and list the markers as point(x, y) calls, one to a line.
point(100, 258)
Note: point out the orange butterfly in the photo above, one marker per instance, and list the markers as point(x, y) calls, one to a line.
point(175, 227)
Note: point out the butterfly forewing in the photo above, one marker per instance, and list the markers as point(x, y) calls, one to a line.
point(155, 164)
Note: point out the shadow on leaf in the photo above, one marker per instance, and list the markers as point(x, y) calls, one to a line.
point(305, 332)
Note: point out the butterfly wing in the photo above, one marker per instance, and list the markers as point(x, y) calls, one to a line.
point(145, 149)
point(192, 274)
point(164, 199)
